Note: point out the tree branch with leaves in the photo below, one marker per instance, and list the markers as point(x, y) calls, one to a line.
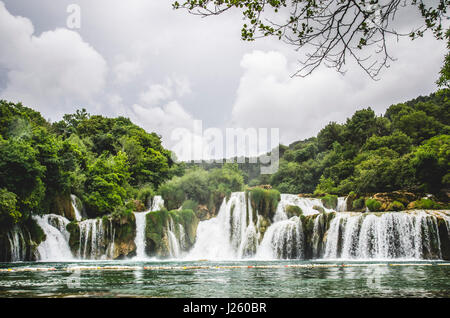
point(328, 32)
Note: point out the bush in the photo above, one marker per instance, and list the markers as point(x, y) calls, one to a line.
point(190, 205)
point(145, 195)
point(426, 204)
point(373, 205)
point(330, 201)
point(358, 204)
point(8, 209)
point(396, 206)
point(293, 210)
point(265, 201)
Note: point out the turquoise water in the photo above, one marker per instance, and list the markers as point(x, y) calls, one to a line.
point(225, 279)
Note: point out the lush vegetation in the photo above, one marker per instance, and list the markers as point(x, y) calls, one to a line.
point(106, 162)
point(200, 187)
point(115, 167)
point(406, 148)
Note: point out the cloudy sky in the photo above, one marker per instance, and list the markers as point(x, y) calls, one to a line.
point(164, 69)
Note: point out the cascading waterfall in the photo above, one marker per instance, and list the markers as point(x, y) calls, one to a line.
point(230, 235)
point(78, 214)
point(283, 240)
point(157, 204)
point(350, 235)
point(56, 245)
point(306, 204)
point(342, 204)
point(389, 235)
point(238, 232)
point(174, 246)
point(140, 234)
point(16, 244)
point(96, 239)
point(285, 237)
point(234, 234)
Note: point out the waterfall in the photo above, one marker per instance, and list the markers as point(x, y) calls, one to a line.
point(140, 234)
point(96, 239)
point(306, 204)
point(78, 214)
point(56, 245)
point(17, 244)
point(342, 204)
point(158, 203)
point(174, 246)
point(389, 235)
point(283, 240)
point(141, 221)
point(229, 235)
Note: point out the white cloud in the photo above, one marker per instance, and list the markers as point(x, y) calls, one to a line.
point(51, 71)
point(162, 119)
point(268, 97)
point(126, 71)
point(174, 86)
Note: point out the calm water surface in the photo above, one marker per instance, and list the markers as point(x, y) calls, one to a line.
point(366, 279)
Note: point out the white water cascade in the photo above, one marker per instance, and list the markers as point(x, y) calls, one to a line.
point(306, 204)
point(283, 240)
point(78, 214)
point(96, 239)
point(342, 204)
point(229, 235)
point(389, 235)
point(234, 234)
point(157, 204)
point(56, 245)
point(174, 246)
point(16, 244)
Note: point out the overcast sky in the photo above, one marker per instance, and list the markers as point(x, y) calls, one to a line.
point(164, 68)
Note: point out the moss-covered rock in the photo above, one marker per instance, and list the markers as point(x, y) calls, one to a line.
point(264, 201)
point(74, 240)
point(293, 210)
point(425, 204)
point(158, 224)
point(29, 235)
point(136, 205)
point(62, 205)
point(262, 226)
point(124, 234)
point(352, 196)
point(388, 198)
point(444, 237)
point(358, 205)
point(319, 208)
point(396, 206)
point(373, 205)
point(315, 228)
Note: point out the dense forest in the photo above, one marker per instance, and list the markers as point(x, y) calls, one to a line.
point(115, 167)
point(407, 148)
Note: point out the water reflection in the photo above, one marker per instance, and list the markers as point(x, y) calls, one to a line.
point(272, 279)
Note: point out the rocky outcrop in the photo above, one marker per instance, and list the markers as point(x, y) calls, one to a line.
point(263, 201)
point(169, 233)
point(107, 237)
point(20, 242)
point(62, 205)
